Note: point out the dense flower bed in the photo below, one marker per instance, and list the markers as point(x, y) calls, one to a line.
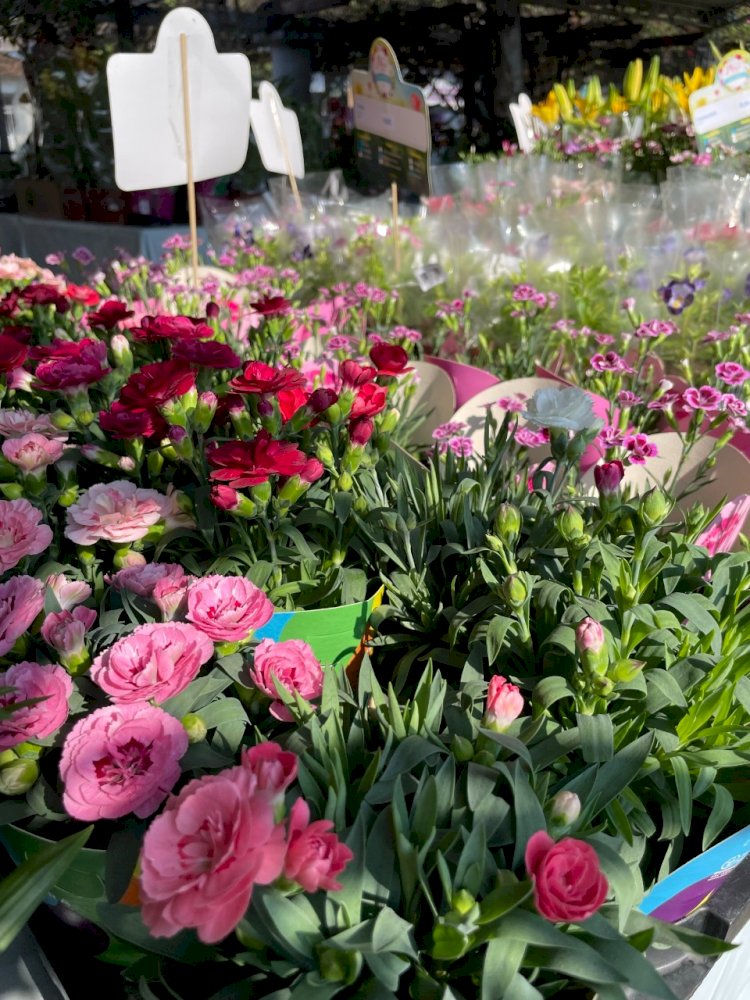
point(549, 711)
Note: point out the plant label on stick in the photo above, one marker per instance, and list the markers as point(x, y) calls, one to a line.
point(392, 132)
point(276, 131)
point(179, 113)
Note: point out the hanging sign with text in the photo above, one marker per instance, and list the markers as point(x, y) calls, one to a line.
point(391, 124)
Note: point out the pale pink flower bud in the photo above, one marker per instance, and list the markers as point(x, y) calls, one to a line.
point(565, 809)
point(68, 593)
point(504, 704)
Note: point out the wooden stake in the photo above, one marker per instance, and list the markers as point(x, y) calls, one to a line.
point(285, 151)
point(395, 225)
point(192, 215)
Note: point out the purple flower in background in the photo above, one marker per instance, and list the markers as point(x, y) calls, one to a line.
point(54, 259)
point(678, 295)
point(83, 256)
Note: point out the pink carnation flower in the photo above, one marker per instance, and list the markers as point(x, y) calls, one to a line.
point(68, 593)
point(315, 855)
point(121, 759)
point(724, 530)
point(21, 533)
point(21, 600)
point(202, 856)
point(153, 662)
point(118, 512)
point(65, 631)
point(704, 398)
point(34, 680)
point(170, 596)
point(32, 452)
point(142, 579)
point(274, 769)
point(731, 373)
point(227, 608)
point(294, 665)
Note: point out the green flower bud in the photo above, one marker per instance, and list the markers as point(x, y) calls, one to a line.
point(626, 671)
point(484, 758)
point(463, 902)
point(154, 462)
point(508, 523)
point(344, 482)
point(261, 494)
point(388, 421)
point(18, 776)
point(339, 966)
point(195, 727)
point(68, 497)
point(570, 525)
point(12, 491)
point(462, 749)
point(360, 506)
point(325, 455)
point(654, 507)
point(63, 421)
point(514, 591)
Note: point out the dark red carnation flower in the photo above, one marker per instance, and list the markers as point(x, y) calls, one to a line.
point(83, 293)
point(85, 367)
point(172, 328)
point(157, 383)
point(22, 334)
point(9, 303)
point(109, 314)
point(271, 305)
point(389, 359)
point(262, 378)
point(321, 399)
point(249, 463)
point(354, 375)
point(291, 400)
point(206, 353)
point(39, 294)
point(126, 422)
point(58, 349)
point(369, 401)
point(12, 353)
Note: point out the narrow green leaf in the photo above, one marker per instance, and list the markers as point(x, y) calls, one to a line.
point(25, 888)
point(684, 792)
point(721, 813)
point(502, 960)
point(597, 738)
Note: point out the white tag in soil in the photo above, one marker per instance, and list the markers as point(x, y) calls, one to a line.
point(276, 130)
point(146, 102)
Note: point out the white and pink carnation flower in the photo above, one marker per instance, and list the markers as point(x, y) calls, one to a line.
point(31, 453)
point(119, 512)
